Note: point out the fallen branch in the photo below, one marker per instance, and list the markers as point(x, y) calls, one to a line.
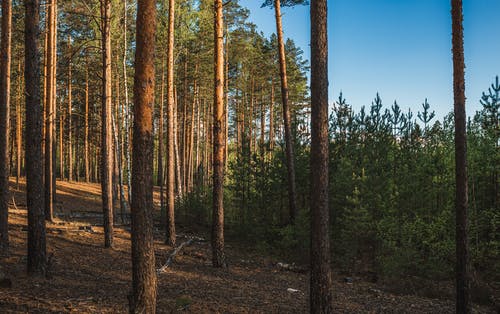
point(291, 267)
point(171, 258)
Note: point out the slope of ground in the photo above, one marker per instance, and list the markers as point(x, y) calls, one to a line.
point(83, 277)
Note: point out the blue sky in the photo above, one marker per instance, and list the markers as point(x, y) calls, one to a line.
point(399, 48)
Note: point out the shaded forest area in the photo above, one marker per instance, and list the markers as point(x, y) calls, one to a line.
point(178, 127)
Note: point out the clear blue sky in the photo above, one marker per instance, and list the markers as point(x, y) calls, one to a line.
point(399, 48)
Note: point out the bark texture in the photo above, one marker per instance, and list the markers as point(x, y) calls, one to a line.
point(218, 257)
point(321, 276)
point(463, 304)
point(106, 137)
point(170, 235)
point(143, 298)
point(5, 61)
point(33, 140)
point(50, 92)
point(290, 158)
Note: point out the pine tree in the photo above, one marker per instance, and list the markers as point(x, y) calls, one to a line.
point(143, 299)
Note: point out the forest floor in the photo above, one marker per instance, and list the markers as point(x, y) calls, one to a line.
point(84, 277)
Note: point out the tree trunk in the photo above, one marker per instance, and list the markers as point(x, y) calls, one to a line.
point(191, 136)
point(5, 51)
point(19, 126)
point(161, 137)
point(178, 177)
point(86, 135)
point(33, 140)
point(143, 298)
point(70, 101)
point(49, 110)
point(218, 257)
point(61, 142)
point(271, 118)
point(106, 137)
point(170, 234)
point(185, 104)
point(286, 116)
point(127, 107)
point(463, 304)
point(321, 276)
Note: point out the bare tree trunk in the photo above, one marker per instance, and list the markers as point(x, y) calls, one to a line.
point(290, 158)
point(49, 111)
point(106, 137)
point(197, 147)
point(19, 126)
point(61, 142)
point(86, 136)
point(185, 139)
point(161, 137)
point(321, 275)
point(271, 119)
point(191, 136)
point(218, 257)
point(143, 299)
point(262, 126)
point(170, 234)
point(5, 62)
point(226, 98)
point(33, 140)
point(463, 302)
point(178, 177)
point(70, 105)
point(127, 115)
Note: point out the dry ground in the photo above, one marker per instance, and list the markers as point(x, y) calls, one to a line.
point(83, 277)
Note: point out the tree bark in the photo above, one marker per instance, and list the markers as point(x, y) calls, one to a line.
point(170, 232)
point(19, 125)
point(5, 63)
point(62, 117)
point(49, 110)
point(290, 158)
point(70, 105)
point(463, 303)
point(86, 135)
point(321, 276)
point(33, 140)
point(178, 177)
point(218, 257)
point(106, 137)
point(143, 298)
point(271, 118)
point(127, 107)
point(161, 137)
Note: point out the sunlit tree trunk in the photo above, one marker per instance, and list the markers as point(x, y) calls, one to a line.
point(49, 110)
point(62, 117)
point(321, 275)
point(218, 257)
point(463, 303)
point(19, 125)
point(70, 105)
point(290, 158)
point(161, 137)
point(170, 234)
point(178, 177)
point(143, 299)
point(33, 140)
point(5, 63)
point(86, 135)
point(106, 137)
point(127, 107)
